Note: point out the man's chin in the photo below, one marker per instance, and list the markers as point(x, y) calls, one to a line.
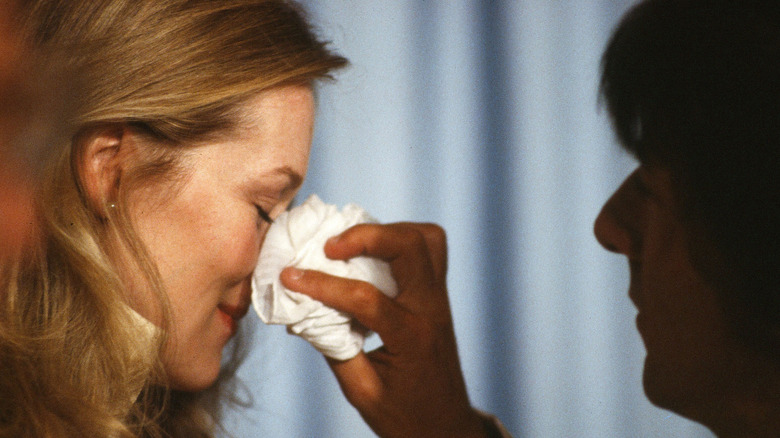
point(662, 389)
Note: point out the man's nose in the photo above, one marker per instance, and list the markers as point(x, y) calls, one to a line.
point(616, 225)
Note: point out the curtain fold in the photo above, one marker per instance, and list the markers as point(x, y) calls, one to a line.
point(481, 116)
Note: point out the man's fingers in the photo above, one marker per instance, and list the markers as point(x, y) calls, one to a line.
point(416, 252)
point(436, 241)
point(362, 300)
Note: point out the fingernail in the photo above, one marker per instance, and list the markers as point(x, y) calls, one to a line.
point(294, 273)
point(333, 240)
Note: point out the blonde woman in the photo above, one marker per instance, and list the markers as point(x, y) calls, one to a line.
point(191, 132)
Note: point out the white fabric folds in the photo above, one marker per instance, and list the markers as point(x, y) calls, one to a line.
point(297, 238)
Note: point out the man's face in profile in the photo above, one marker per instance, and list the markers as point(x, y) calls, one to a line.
point(690, 354)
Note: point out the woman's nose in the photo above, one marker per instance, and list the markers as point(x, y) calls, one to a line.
point(617, 227)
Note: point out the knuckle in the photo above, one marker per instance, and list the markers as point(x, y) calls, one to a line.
point(364, 296)
point(414, 237)
point(363, 394)
point(435, 235)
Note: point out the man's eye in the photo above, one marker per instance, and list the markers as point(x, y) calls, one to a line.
point(264, 215)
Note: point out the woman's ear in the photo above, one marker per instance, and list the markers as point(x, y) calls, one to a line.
point(101, 153)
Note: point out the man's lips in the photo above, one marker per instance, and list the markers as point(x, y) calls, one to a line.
point(634, 283)
point(632, 297)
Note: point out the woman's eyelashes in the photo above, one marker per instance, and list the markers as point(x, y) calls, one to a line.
point(264, 215)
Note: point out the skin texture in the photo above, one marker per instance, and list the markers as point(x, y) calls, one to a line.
point(204, 231)
point(206, 240)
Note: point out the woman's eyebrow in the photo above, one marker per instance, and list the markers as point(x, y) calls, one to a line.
point(295, 178)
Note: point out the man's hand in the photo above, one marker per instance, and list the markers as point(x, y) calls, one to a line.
point(413, 385)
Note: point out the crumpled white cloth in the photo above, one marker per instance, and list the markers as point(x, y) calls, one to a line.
point(297, 238)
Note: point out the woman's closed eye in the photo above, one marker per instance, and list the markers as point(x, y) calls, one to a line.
point(264, 215)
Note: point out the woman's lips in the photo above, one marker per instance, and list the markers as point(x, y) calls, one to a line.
point(232, 314)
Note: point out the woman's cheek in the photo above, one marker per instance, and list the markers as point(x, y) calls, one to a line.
point(246, 249)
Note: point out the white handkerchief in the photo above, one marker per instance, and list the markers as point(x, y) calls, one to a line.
point(297, 238)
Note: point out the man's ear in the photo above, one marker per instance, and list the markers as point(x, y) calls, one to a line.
point(101, 153)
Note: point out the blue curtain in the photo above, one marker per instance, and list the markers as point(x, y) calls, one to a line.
point(481, 116)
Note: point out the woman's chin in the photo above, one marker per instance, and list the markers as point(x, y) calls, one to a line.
point(193, 379)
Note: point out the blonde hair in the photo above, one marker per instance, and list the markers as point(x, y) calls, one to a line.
point(175, 71)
